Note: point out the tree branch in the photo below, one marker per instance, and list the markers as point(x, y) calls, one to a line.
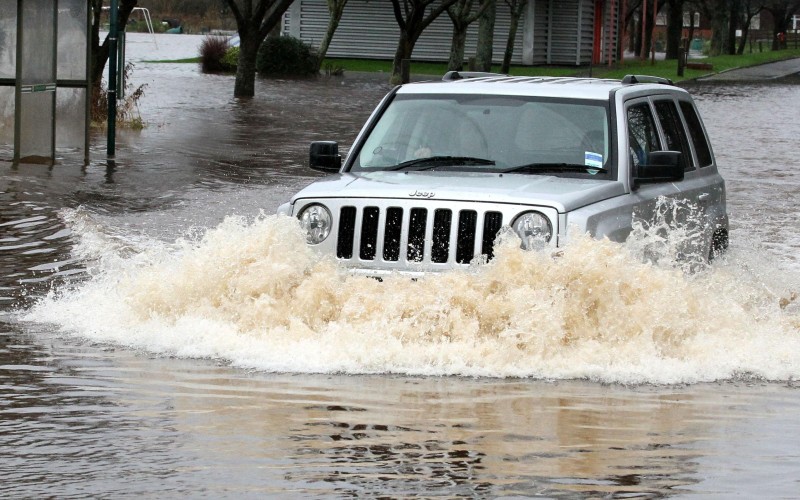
point(398, 15)
point(435, 12)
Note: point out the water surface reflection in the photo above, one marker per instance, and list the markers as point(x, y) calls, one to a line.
point(84, 418)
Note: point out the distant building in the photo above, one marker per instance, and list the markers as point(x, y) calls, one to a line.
point(558, 32)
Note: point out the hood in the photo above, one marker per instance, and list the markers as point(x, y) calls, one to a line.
point(563, 194)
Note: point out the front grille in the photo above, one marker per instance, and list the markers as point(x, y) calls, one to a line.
point(416, 234)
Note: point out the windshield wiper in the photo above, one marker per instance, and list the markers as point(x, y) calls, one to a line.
point(438, 161)
point(555, 167)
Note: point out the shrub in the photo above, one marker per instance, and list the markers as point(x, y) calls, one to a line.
point(128, 114)
point(231, 59)
point(333, 69)
point(286, 56)
point(212, 50)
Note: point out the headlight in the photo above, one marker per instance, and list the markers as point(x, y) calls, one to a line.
point(534, 229)
point(316, 220)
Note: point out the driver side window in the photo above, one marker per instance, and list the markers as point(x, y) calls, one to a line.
point(642, 133)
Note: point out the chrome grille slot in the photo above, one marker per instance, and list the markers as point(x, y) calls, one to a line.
point(492, 222)
point(347, 228)
point(440, 249)
point(415, 251)
point(465, 242)
point(369, 233)
point(392, 233)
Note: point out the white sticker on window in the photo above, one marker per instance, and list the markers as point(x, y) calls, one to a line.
point(593, 159)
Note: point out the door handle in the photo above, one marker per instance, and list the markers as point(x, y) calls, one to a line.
point(703, 197)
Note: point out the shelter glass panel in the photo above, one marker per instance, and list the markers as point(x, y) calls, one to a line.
point(72, 39)
point(36, 130)
point(6, 116)
point(37, 77)
point(70, 117)
point(8, 39)
point(38, 37)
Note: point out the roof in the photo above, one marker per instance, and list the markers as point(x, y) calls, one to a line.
point(565, 87)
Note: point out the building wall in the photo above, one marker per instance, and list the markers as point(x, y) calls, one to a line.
point(550, 32)
point(368, 29)
point(611, 31)
point(541, 29)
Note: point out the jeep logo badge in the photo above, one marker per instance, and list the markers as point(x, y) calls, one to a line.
point(422, 194)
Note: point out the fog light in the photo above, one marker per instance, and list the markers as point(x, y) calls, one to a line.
point(534, 230)
point(316, 220)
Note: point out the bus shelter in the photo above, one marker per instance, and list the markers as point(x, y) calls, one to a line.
point(44, 79)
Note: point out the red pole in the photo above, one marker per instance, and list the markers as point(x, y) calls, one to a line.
point(613, 32)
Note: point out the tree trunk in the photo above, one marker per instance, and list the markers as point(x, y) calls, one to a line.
point(743, 40)
point(254, 22)
point(512, 37)
point(719, 27)
point(483, 55)
point(457, 48)
point(100, 52)
point(780, 25)
point(674, 28)
point(333, 23)
point(245, 85)
point(412, 20)
point(733, 25)
point(405, 47)
point(647, 42)
point(638, 39)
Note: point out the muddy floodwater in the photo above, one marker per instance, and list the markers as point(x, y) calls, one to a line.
point(162, 334)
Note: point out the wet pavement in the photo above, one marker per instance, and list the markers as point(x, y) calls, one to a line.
point(762, 72)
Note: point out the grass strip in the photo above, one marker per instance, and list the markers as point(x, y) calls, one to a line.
point(666, 69)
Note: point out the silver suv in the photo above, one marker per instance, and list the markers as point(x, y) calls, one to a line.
point(441, 167)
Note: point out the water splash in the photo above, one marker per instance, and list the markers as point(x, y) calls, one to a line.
point(253, 294)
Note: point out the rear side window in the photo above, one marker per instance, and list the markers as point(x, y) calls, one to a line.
point(674, 132)
point(642, 133)
point(696, 131)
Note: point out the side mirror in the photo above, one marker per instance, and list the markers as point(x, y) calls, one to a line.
point(324, 156)
point(662, 166)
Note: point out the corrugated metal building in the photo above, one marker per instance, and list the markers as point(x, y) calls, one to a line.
point(562, 32)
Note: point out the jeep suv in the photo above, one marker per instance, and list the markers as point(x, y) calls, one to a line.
point(441, 167)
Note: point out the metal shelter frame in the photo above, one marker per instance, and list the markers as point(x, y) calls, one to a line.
point(25, 84)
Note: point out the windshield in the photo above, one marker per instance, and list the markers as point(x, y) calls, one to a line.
point(488, 133)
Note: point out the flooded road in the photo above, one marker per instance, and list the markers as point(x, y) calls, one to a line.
point(159, 336)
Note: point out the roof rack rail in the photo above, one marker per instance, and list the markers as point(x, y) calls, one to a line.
point(630, 79)
point(451, 76)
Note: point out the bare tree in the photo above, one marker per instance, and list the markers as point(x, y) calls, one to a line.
point(462, 15)
point(717, 12)
point(674, 27)
point(412, 17)
point(335, 10)
point(782, 12)
point(631, 18)
point(484, 52)
point(749, 10)
point(254, 20)
point(646, 45)
point(100, 51)
point(735, 7)
point(517, 7)
point(639, 19)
